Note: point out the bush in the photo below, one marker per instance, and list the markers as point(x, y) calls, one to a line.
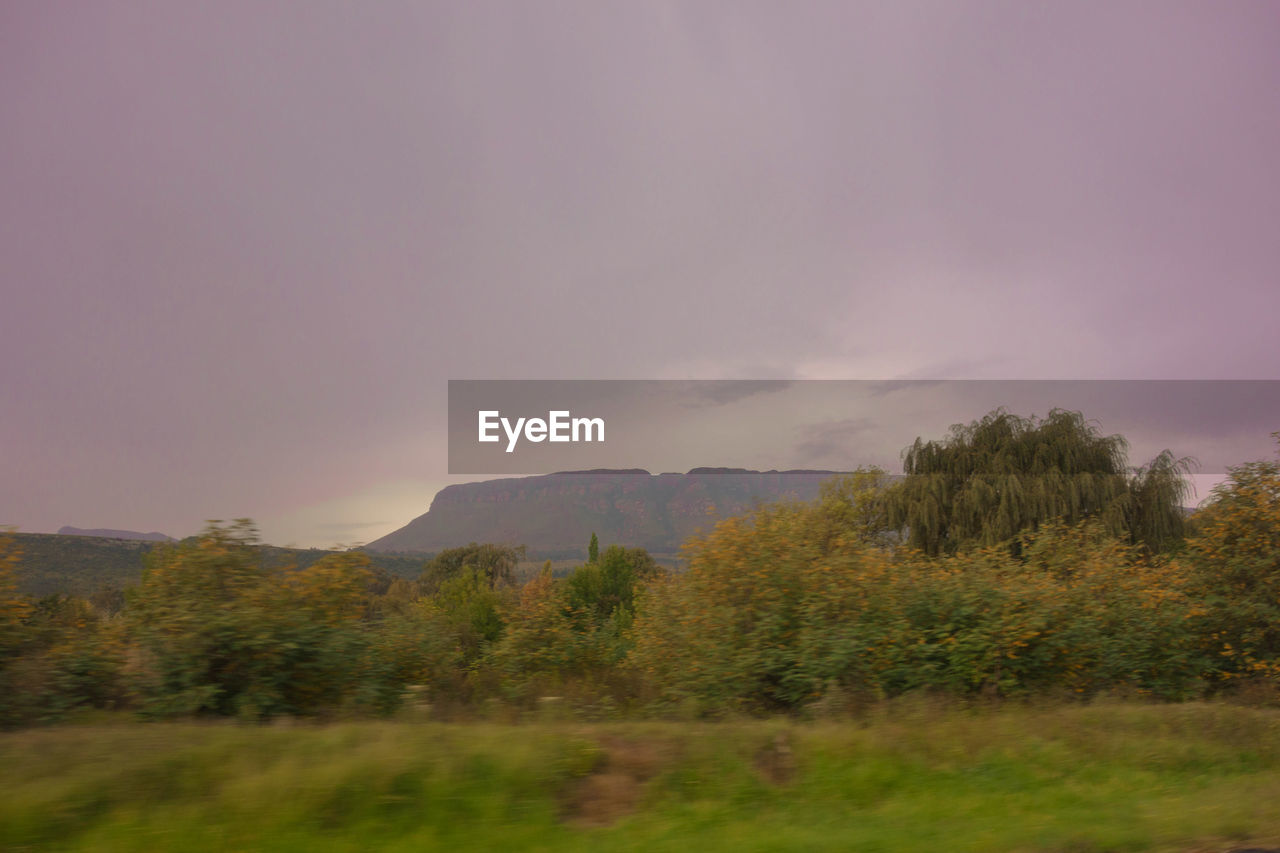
point(768, 619)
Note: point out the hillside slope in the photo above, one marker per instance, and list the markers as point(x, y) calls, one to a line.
point(52, 563)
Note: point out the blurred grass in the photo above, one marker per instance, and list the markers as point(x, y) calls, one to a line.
point(907, 776)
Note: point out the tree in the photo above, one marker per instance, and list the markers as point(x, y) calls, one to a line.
point(854, 505)
point(1153, 513)
point(772, 615)
point(192, 614)
point(1236, 554)
point(14, 610)
point(723, 634)
point(1002, 475)
point(593, 549)
point(542, 642)
point(220, 633)
point(496, 563)
point(14, 607)
point(606, 585)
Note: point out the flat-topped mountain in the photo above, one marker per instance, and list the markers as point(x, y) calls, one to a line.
point(103, 533)
point(557, 513)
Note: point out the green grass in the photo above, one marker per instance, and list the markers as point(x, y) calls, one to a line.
point(908, 777)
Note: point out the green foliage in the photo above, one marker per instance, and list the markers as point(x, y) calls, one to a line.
point(84, 565)
point(593, 549)
point(470, 607)
point(56, 654)
point(221, 634)
point(496, 563)
point(724, 633)
point(415, 648)
point(79, 565)
point(574, 630)
point(795, 607)
point(997, 477)
point(1236, 559)
point(77, 656)
point(855, 506)
point(1153, 513)
point(107, 600)
point(768, 617)
point(542, 641)
point(600, 588)
point(14, 607)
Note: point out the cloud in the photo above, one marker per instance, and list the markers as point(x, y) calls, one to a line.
point(833, 442)
point(725, 392)
point(246, 263)
point(350, 526)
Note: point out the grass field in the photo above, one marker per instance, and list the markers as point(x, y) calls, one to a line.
point(906, 777)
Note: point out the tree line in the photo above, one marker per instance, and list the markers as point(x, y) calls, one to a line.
point(1018, 556)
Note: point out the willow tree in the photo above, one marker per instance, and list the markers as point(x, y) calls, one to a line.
point(495, 563)
point(1003, 475)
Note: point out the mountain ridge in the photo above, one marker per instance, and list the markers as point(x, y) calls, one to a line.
point(52, 563)
point(557, 513)
point(109, 533)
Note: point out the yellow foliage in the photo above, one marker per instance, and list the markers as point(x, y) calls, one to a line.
point(14, 608)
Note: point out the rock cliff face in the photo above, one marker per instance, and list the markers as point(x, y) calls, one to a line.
point(556, 514)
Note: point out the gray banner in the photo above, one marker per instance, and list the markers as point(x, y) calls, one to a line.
point(542, 426)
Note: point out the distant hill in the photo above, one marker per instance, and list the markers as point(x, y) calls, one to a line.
point(106, 533)
point(555, 514)
point(80, 565)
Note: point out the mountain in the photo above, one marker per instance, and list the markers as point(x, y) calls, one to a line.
point(67, 530)
point(555, 514)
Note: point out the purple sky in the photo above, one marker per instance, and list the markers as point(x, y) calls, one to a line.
point(243, 245)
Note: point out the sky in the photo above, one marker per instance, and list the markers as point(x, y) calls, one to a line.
point(245, 245)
